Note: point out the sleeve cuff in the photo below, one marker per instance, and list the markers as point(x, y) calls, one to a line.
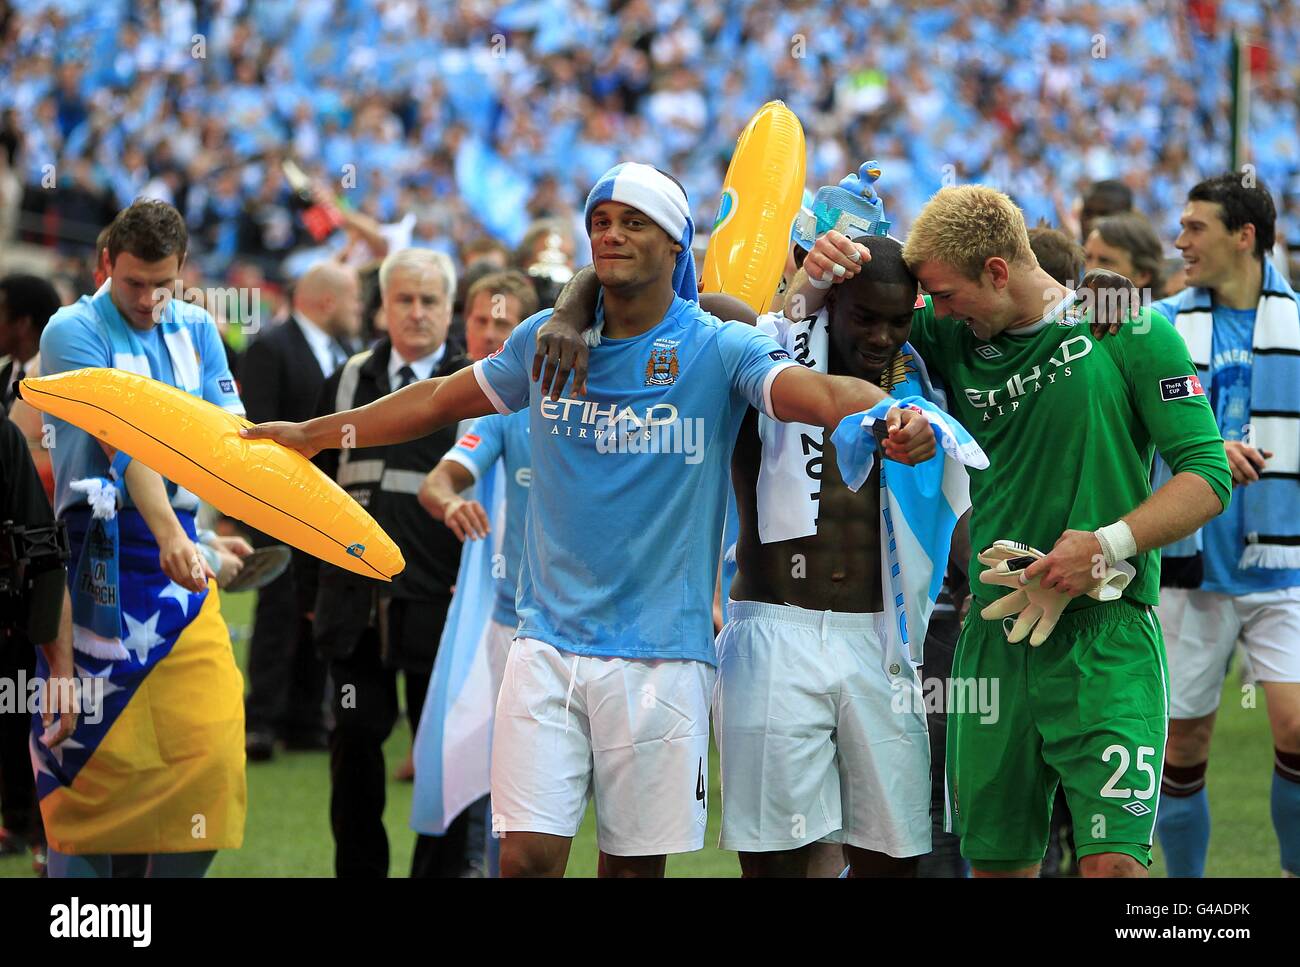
point(768, 380)
point(464, 461)
point(486, 386)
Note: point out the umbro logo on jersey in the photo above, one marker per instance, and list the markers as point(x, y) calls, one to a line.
point(1180, 388)
point(988, 352)
point(1136, 808)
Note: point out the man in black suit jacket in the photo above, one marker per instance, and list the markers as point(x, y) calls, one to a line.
point(281, 376)
point(370, 630)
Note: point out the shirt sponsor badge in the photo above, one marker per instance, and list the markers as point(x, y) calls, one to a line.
point(227, 385)
point(469, 441)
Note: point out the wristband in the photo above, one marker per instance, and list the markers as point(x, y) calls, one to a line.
point(1117, 543)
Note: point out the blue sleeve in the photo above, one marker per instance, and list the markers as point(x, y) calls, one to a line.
point(218, 383)
point(751, 360)
point(70, 341)
point(506, 375)
point(481, 445)
point(1166, 307)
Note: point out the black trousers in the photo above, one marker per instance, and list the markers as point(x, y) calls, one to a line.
point(286, 678)
point(19, 812)
point(364, 699)
point(944, 858)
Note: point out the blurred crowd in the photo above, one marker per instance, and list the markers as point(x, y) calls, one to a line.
point(437, 124)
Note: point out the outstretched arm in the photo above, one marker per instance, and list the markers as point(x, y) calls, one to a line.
point(408, 414)
point(801, 396)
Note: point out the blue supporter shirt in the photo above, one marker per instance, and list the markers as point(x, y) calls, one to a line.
point(630, 483)
point(75, 338)
point(504, 438)
point(1224, 538)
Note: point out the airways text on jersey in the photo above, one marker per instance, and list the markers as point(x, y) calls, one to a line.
point(1006, 399)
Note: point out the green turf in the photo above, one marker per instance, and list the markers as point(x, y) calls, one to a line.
point(288, 830)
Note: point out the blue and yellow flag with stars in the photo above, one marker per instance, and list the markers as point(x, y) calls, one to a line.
point(156, 764)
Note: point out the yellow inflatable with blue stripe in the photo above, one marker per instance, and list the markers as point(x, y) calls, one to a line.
point(760, 198)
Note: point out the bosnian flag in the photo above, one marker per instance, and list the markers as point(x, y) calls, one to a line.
point(453, 745)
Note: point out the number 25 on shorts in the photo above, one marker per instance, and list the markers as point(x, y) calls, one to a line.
point(1110, 791)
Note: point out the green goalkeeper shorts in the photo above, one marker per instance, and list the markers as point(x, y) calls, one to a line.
point(1088, 708)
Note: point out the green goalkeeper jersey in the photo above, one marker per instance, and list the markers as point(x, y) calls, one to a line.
point(1070, 426)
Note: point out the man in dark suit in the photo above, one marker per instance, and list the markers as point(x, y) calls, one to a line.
point(281, 377)
point(371, 631)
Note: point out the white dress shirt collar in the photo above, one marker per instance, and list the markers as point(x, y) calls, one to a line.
point(319, 341)
point(423, 367)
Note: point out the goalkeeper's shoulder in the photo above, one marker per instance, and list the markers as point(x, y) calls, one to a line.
point(1148, 340)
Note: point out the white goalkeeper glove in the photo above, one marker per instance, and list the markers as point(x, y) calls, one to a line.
point(1037, 608)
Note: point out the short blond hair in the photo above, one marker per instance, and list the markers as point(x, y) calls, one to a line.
point(964, 227)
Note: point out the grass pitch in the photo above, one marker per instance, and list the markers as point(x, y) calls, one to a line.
point(288, 830)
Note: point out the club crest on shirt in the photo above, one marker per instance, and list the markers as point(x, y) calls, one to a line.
point(661, 368)
point(896, 372)
point(1180, 388)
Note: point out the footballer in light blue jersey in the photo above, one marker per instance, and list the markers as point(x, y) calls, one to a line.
point(624, 523)
point(504, 438)
point(82, 335)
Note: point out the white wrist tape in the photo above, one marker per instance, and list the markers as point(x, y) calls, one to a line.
point(1117, 543)
point(819, 283)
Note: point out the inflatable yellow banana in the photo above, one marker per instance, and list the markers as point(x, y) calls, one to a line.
point(197, 445)
point(760, 198)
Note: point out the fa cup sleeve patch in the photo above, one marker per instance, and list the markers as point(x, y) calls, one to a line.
point(1180, 388)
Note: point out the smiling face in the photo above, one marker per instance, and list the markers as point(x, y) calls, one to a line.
point(981, 304)
point(1210, 252)
point(140, 290)
point(629, 250)
point(869, 323)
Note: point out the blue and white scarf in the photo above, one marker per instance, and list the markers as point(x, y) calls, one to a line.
point(1271, 522)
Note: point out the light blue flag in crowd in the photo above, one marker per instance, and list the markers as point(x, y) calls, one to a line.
point(453, 745)
point(494, 191)
point(919, 505)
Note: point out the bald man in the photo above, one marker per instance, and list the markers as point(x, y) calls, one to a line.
point(281, 378)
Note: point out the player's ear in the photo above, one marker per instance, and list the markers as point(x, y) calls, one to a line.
point(676, 248)
point(998, 270)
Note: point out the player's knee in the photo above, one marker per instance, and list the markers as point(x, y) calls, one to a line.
point(1189, 740)
point(776, 863)
point(1110, 865)
point(1286, 730)
point(520, 858)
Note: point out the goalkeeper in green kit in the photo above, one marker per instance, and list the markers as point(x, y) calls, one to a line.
point(1069, 421)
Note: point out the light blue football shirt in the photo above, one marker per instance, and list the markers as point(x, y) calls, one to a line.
point(629, 484)
point(76, 338)
point(504, 438)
